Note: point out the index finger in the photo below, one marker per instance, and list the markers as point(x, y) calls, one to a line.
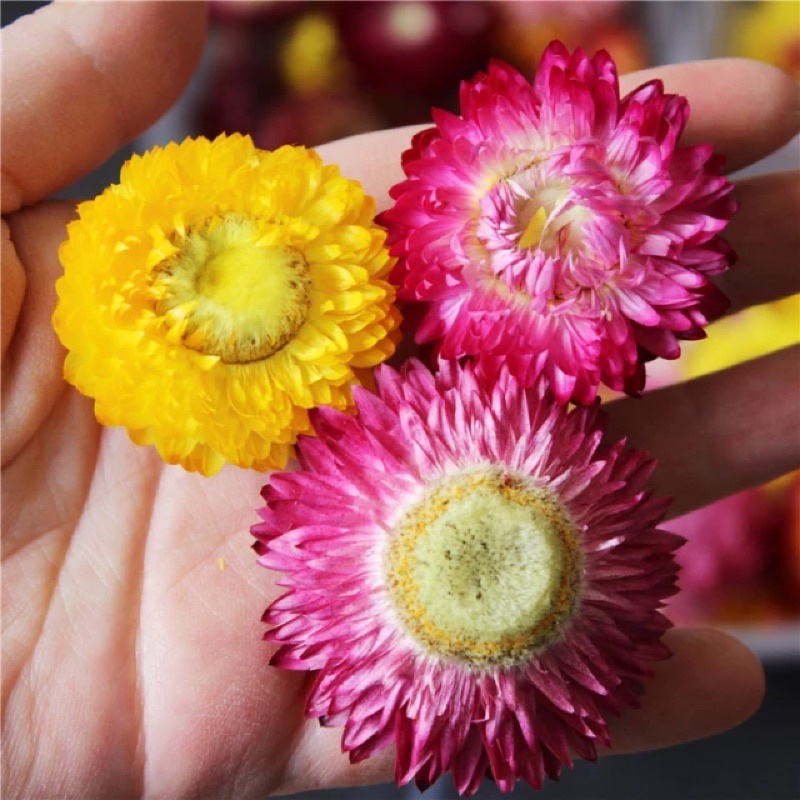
point(744, 109)
point(82, 79)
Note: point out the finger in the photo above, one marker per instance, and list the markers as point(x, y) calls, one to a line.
point(717, 91)
point(33, 362)
point(82, 79)
point(745, 109)
point(711, 683)
point(766, 236)
point(317, 762)
point(372, 158)
point(12, 276)
point(718, 434)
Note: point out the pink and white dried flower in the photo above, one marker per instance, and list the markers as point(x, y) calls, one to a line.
point(476, 578)
point(559, 229)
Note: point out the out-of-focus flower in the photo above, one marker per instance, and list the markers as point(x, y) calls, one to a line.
point(581, 13)
point(750, 334)
point(217, 293)
point(732, 570)
point(527, 28)
point(560, 230)
point(253, 12)
point(311, 58)
point(231, 100)
point(768, 31)
point(410, 47)
point(791, 545)
point(477, 579)
point(725, 561)
point(314, 118)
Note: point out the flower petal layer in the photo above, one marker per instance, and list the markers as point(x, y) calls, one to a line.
point(142, 363)
point(327, 527)
point(560, 229)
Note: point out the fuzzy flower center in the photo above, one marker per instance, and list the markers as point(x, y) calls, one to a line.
point(484, 569)
point(233, 288)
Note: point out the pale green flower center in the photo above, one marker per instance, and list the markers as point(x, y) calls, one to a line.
point(233, 288)
point(484, 569)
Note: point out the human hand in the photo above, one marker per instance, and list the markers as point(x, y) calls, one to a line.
point(132, 654)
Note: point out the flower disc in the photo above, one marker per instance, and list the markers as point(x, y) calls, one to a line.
point(230, 294)
point(484, 568)
point(217, 293)
point(476, 579)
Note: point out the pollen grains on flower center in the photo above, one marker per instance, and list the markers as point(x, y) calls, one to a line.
point(484, 569)
point(233, 288)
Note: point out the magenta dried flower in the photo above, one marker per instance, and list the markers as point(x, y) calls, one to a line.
point(476, 579)
point(559, 229)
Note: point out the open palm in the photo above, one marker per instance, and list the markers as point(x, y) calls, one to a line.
point(132, 654)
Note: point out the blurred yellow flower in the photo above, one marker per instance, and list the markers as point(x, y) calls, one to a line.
point(217, 293)
point(311, 59)
point(750, 334)
point(768, 31)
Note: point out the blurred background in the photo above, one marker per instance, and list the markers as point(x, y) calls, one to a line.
point(303, 72)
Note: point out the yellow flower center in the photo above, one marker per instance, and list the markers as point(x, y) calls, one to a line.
point(232, 289)
point(484, 569)
point(544, 225)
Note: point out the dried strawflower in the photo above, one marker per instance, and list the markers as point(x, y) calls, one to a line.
point(217, 293)
point(477, 580)
point(559, 229)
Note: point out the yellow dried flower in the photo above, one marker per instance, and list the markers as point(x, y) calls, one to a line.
point(217, 293)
